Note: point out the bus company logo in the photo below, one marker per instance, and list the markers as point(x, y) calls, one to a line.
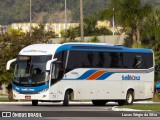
point(74, 73)
point(27, 89)
point(35, 51)
point(130, 77)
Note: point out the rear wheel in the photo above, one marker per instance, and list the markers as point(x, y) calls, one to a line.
point(99, 102)
point(129, 98)
point(34, 102)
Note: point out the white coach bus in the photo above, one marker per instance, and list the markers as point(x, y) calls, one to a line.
point(83, 71)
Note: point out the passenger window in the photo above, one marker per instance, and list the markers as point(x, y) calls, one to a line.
point(138, 61)
point(116, 60)
point(90, 57)
point(101, 60)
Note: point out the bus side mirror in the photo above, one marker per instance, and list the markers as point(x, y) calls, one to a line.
point(55, 71)
point(8, 67)
point(48, 65)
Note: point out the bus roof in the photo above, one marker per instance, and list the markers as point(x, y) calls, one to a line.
point(51, 49)
point(39, 49)
point(100, 47)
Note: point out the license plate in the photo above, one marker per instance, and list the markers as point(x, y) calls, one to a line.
point(27, 97)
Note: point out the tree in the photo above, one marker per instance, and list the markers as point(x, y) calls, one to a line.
point(69, 34)
point(90, 27)
point(128, 13)
point(94, 39)
point(12, 11)
point(10, 45)
point(150, 32)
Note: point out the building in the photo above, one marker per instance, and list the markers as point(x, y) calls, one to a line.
point(56, 27)
point(4, 29)
point(107, 24)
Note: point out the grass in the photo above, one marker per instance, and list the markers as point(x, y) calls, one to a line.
point(2, 95)
point(154, 100)
point(143, 107)
point(4, 100)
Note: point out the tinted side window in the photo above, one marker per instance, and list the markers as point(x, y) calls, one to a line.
point(147, 60)
point(89, 59)
point(79, 59)
point(61, 56)
point(102, 59)
point(128, 60)
point(59, 68)
point(137, 60)
point(116, 60)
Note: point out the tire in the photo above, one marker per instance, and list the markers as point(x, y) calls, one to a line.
point(121, 102)
point(34, 102)
point(99, 102)
point(66, 98)
point(129, 98)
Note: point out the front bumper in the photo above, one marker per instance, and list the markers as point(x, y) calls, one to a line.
point(41, 96)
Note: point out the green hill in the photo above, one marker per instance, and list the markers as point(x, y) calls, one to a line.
point(46, 10)
point(12, 11)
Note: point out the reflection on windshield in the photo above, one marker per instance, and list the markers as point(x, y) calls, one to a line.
point(30, 69)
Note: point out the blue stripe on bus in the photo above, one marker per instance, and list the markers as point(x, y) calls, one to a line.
point(105, 75)
point(36, 89)
point(86, 74)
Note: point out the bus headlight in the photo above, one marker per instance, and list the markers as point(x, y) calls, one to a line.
point(15, 91)
point(43, 91)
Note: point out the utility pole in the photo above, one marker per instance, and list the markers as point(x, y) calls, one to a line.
point(30, 30)
point(113, 22)
point(65, 15)
point(81, 20)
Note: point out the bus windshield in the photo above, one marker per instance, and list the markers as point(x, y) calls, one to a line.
point(30, 70)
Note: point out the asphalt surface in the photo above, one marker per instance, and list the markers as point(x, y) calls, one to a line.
point(83, 110)
point(74, 106)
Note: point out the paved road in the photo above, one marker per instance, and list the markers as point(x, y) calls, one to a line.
point(74, 106)
point(57, 108)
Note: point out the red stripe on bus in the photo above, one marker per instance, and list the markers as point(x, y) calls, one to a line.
point(95, 75)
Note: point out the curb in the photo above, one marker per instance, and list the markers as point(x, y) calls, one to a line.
point(125, 109)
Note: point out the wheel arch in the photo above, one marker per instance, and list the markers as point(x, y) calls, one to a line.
point(132, 90)
point(71, 93)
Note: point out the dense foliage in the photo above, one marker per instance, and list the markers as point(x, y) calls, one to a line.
point(46, 11)
point(13, 41)
point(12, 11)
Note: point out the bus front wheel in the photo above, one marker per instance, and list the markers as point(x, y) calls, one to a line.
point(66, 98)
point(34, 102)
point(99, 102)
